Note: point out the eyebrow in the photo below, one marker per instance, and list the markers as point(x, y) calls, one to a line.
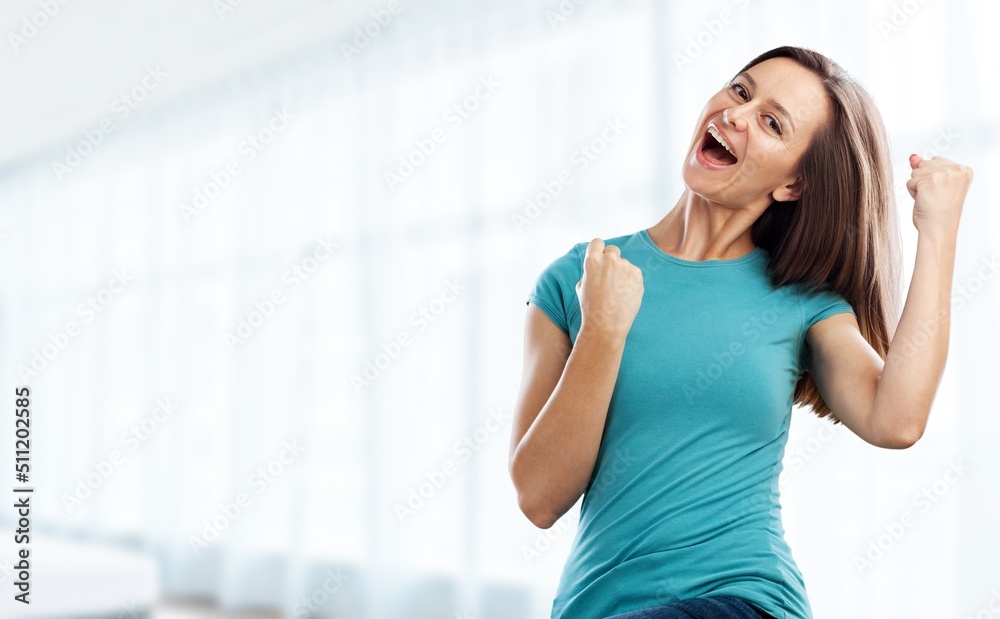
point(781, 109)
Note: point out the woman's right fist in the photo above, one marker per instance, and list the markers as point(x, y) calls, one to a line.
point(610, 292)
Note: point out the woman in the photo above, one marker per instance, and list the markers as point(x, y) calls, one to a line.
point(661, 366)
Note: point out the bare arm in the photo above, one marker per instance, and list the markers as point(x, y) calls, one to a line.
point(560, 415)
point(888, 404)
point(566, 390)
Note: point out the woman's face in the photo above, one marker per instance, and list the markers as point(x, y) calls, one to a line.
point(768, 116)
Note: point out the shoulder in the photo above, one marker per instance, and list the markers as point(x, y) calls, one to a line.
point(820, 302)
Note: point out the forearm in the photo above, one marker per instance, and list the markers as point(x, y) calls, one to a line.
point(556, 457)
point(916, 357)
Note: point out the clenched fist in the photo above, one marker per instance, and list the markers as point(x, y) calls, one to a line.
point(610, 292)
point(938, 187)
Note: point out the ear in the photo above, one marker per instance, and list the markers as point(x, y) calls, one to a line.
point(789, 192)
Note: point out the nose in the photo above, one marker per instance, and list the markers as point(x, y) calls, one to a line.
point(737, 121)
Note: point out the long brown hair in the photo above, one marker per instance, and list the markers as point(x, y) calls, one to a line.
point(842, 234)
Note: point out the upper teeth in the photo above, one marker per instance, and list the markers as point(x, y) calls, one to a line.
point(718, 136)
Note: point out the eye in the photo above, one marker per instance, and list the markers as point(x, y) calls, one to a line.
point(741, 91)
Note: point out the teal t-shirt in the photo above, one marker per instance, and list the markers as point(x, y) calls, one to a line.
point(684, 500)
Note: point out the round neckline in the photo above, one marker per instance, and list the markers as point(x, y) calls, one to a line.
point(748, 257)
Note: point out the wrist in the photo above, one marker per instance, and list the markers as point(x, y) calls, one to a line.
point(940, 228)
point(938, 237)
point(602, 336)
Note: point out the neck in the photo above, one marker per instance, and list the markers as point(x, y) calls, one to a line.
point(699, 229)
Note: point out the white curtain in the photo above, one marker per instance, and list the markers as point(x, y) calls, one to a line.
point(228, 351)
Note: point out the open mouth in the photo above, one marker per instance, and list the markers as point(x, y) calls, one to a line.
point(715, 152)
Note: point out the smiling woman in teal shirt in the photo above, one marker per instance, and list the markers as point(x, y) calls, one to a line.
point(662, 366)
point(684, 498)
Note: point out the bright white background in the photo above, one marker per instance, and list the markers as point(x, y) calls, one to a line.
point(465, 550)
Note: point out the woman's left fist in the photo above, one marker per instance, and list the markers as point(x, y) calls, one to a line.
point(938, 187)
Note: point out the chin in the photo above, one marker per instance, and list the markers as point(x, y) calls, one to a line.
point(707, 188)
point(697, 181)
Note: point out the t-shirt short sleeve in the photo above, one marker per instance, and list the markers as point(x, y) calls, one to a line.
point(823, 304)
point(554, 291)
point(818, 306)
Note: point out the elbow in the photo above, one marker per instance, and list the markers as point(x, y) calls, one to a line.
point(528, 504)
point(538, 517)
point(896, 428)
point(906, 438)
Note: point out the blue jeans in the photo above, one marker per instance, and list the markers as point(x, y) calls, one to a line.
point(715, 607)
